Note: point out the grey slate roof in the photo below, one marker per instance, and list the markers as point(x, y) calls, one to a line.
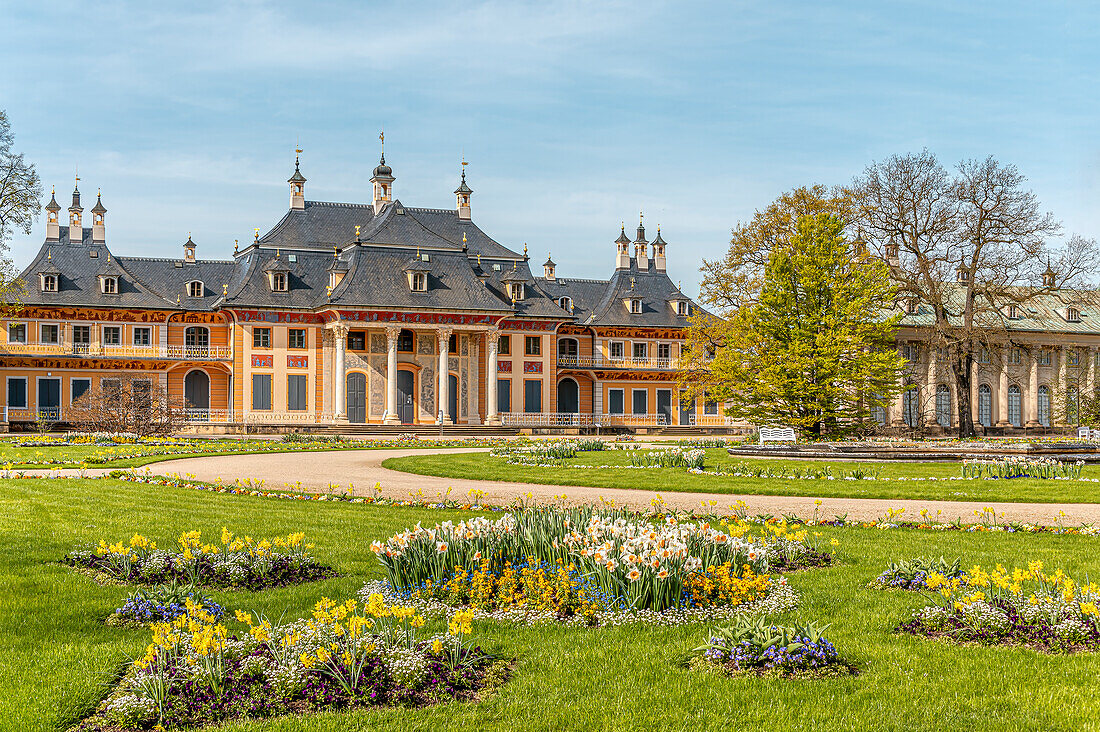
point(78, 283)
point(601, 302)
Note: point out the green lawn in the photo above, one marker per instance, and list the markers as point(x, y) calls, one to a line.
point(59, 654)
point(119, 456)
point(486, 467)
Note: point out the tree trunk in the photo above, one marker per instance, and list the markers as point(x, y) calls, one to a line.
point(961, 369)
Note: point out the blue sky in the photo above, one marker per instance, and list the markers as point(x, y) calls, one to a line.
point(573, 115)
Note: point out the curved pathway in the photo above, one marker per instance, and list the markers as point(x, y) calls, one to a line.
point(337, 470)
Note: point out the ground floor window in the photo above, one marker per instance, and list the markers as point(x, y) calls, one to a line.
point(261, 392)
point(296, 392)
point(1043, 404)
point(532, 396)
point(985, 405)
point(639, 399)
point(943, 405)
point(910, 406)
point(78, 388)
point(1014, 415)
point(17, 392)
point(878, 411)
point(504, 395)
point(615, 401)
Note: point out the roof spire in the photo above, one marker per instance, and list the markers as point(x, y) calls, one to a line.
point(382, 145)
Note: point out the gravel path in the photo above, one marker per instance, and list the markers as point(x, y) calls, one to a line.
point(336, 470)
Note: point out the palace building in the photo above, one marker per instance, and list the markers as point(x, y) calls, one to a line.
point(352, 313)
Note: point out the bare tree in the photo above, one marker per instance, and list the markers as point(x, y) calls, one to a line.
point(966, 247)
point(129, 402)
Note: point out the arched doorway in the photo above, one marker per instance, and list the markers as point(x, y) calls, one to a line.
point(196, 394)
point(452, 397)
point(569, 397)
point(357, 397)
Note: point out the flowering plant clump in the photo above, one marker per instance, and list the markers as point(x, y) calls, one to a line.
point(1050, 612)
point(196, 672)
point(236, 562)
point(160, 604)
point(1021, 466)
point(754, 646)
point(910, 574)
point(581, 562)
point(673, 457)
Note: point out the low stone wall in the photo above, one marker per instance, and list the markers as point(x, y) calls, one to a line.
point(1069, 450)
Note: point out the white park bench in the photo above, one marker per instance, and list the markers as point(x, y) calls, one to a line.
point(1084, 433)
point(777, 434)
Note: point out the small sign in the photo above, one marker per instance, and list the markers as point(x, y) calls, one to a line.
point(297, 362)
point(532, 367)
point(262, 362)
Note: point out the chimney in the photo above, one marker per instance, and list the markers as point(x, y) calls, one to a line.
point(297, 186)
point(641, 248)
point(622, 249)
point(189, 249)
point(99, 226)
point(76, 225)
point(659, 262)
point(53, 227)
point(462, 196)
point(549, 268)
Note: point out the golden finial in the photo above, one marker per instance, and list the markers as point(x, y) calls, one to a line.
point(177, 299)
point(464, 237)
point(640, 218)
point(53, 191)
point(225, 290)
point(357, 232)
point(479, 259)
point(418, 251)
point(328, 290)
point(49, 254)
point(236, 243)
point(382, 140)
point(256, 234)
point(525, 250)
point(631, 283)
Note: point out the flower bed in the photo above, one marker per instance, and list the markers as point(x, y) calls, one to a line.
point(758, 648)
point(1013, 466)
point(1049, 612)
point(591, 565)
point(237, 562)
point(161, 604)
point(347, 655)
point(911, 574)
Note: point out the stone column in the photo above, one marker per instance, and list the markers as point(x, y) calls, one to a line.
point(974, 414)
point(898, 409)
point(492, 341)
point(473, 416)
point(339, 378)
point(1090, 379)
point(444, 337)
point(392, 333)
point(933, 384)
point(1002, 391)
point(1032, 400)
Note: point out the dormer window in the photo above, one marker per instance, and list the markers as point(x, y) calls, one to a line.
point(1014, 312)
point(682, 308)
point(635, 306)
point(912, 306)
point(566, 303)
point(279, 282)
point(515, 290)
point(418, 281)
point(108, 285)
point(195, 289)
point(1073, 315)
point(49, 283)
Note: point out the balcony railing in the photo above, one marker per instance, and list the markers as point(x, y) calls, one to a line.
point(575, 419)
point(99, 350)
point(599, 362)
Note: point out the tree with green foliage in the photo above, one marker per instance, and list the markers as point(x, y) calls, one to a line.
point(814, 349)
point(20, 191)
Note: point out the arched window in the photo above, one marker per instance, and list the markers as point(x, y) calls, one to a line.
point(943, 405)
point(1043, 404)
point(878, 411)
point(194, 289)
point(566, 304)
point(910, 406)
point(1014, 406)
point(985, 405)
point(1073, 402)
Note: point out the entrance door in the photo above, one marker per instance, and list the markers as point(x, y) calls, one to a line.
point(196, 393)
point(569, 400)
point(406, 404)
point(664, 406)
point(357, 398)
point(452, 397)
point(687, 410)
point(49, 398)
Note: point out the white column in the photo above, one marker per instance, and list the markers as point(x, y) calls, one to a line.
point(1090, 380)
point(339, 378)
point(444, 336)
point(473, 415)
point(392, 333)
point(974, 414)
point(1032, 400)
point(1061, 388)
point(492, 341)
